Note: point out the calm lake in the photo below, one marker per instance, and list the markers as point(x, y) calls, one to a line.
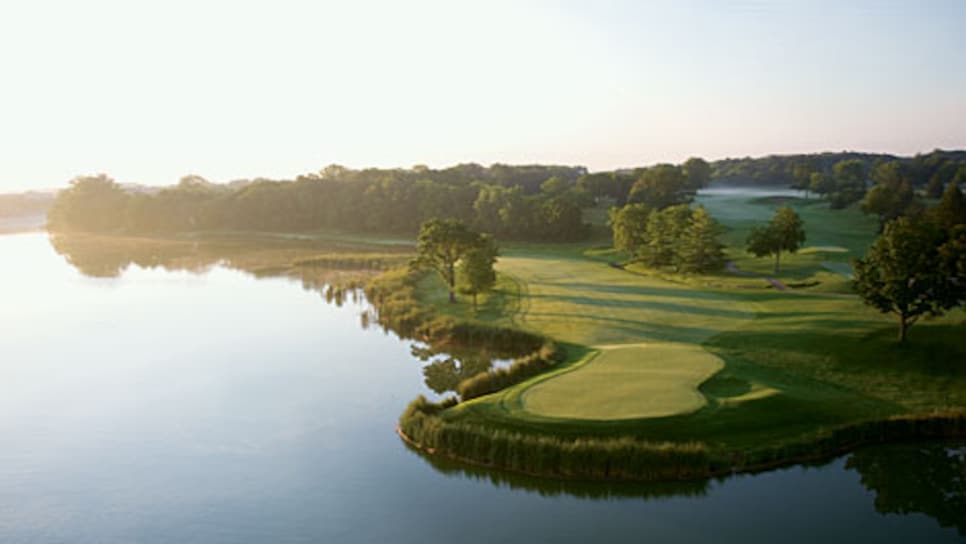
point(213, 406)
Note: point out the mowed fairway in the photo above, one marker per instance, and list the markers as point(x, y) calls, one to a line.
point(573, 299)
point(648, 332)
point(628, 382)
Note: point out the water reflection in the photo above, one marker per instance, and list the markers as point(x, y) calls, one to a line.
point(926, 478)
point(548, 487)
point(923, 478)
point(444, 370)
point(109, 257)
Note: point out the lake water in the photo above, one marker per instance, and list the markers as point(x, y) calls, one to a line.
point(212, 406)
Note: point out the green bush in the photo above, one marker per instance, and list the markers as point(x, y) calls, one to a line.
point(522, 369)
point(393, 294)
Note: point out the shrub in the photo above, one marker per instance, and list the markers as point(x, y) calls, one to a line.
point(522, 369)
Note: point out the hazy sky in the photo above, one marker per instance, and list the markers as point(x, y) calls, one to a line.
point(150, 91)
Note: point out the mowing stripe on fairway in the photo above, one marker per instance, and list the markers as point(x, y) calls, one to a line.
point(653, 380)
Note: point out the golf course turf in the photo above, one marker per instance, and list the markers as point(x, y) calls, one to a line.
point(723, 361)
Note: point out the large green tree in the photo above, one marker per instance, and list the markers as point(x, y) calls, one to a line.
point(700, 250)
point(475, 274)
point(913, 268)
point(820, 183)
point(784, 232)
point(629, 225)
point(440, 246)
point(951, 210)
point(661, 186)
point(892, 195)
point(665, 230)
point(849, 176)
point(698, 173)
point(91, 203)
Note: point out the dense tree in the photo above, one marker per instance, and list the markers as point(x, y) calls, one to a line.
point(677, 236)
point(784, 232)
point(892, 195)
point(820, 183)
point(942, 175)
point(504, 200)
point(951, 210)
point(440, 246)
point(665, 230)
point(662, 186)
point(700, 250)
point(91, 203)
point(698, 173)
point(802, 172)
point(553, 186)
point(613, 185)
point(849, 177)
point(781, 169)
point(913, 268)
point(629, 225)
point(559, 218)
point(475, 273)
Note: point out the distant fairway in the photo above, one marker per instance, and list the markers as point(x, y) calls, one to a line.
point(627, 382)
point(573, 299)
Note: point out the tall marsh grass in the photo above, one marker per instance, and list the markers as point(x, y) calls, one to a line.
point(629, 458)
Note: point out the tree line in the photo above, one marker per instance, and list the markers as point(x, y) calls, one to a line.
point(514, 202)
point(929, 170)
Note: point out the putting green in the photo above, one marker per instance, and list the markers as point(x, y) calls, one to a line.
point(823, 249)
point(636, 381)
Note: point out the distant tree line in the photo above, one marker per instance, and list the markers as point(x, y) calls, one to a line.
point(930, 171)
point(29, 203)
point(513, 202)
point(884, 185)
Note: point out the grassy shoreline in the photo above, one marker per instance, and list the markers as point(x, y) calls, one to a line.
point(889, 431)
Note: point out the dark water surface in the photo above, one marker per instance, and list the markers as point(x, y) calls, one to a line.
point(211, 406)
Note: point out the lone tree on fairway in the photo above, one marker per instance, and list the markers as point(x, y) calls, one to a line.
point(785, 232)
point(914, 268)
point(441, 244)
point(475, 273)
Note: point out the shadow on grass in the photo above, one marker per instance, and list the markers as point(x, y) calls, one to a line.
point(633, 327)
point(646, 305)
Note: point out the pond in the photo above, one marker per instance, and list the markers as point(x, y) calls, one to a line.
point(205, 404)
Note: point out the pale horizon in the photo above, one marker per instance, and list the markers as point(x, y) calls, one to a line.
point(150, 94)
